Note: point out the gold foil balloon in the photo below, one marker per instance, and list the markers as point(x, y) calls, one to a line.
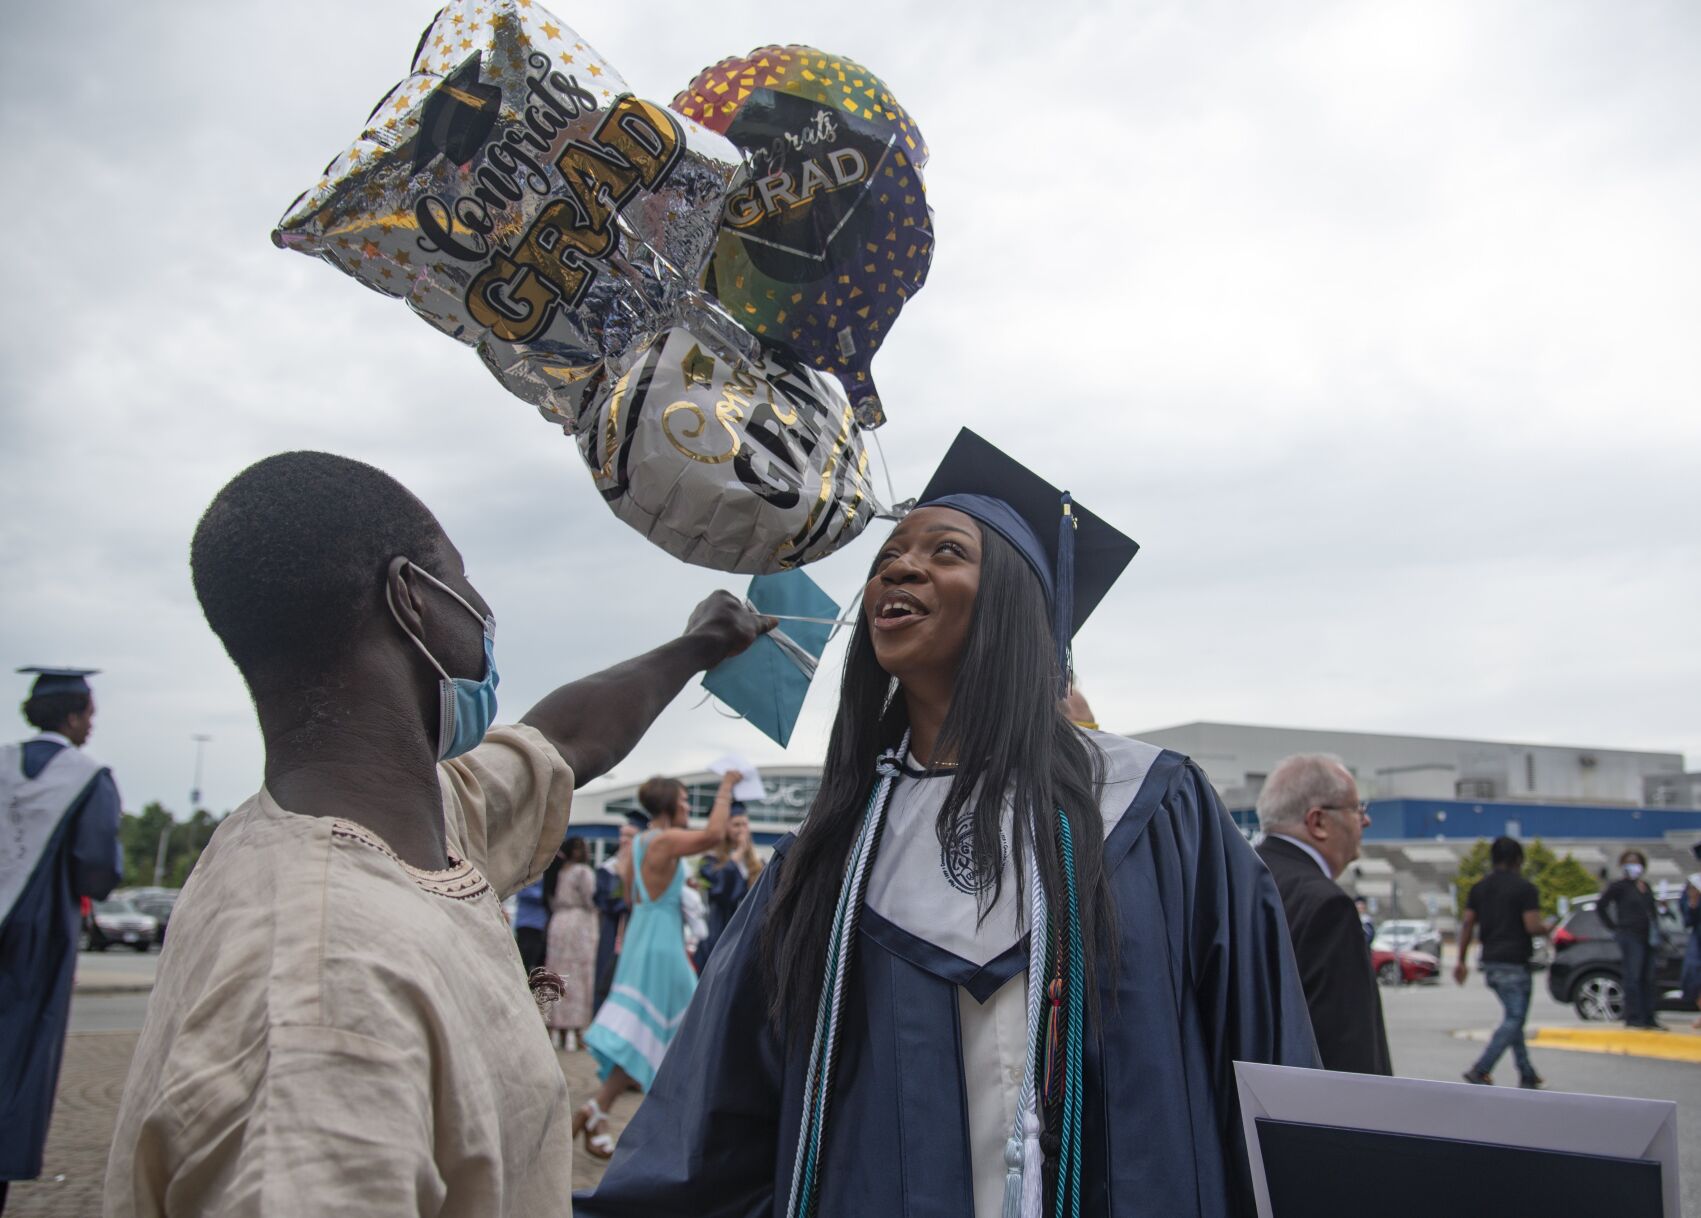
point(520, 198)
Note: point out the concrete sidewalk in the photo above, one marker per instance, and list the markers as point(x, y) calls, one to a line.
point(104, 981)
point(115, 972)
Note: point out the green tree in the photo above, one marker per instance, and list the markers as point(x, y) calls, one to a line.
point(1556, 876)
point(139, 841)
point(1553, 875)
point(1472, 868)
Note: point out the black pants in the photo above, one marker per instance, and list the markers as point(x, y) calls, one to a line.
point(531, 940)
point(1638, 960)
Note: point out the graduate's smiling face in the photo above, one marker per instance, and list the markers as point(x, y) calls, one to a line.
point(920, 599)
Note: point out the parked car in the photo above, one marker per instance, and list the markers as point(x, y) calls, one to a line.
point(1587, 971)
point(118, 921)
point(1403, 967)
point(155, 902)
point(1410, 934)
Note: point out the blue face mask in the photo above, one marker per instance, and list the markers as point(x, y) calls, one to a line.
point(466, 708)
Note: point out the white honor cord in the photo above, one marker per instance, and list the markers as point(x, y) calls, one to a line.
point(825, 1045)
point(1023, 1159)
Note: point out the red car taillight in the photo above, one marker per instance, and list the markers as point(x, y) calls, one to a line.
point(1563, 938)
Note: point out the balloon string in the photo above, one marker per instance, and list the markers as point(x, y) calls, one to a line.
point(818, 621)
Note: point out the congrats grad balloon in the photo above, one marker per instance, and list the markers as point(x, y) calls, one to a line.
point(828, 233)
point(520, 199)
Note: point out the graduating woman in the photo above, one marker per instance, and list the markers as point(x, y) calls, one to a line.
point(1006, 965)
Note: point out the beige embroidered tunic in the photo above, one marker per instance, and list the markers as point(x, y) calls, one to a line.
point(335, 1032)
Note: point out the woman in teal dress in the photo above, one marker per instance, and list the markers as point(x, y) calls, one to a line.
point(654, 980)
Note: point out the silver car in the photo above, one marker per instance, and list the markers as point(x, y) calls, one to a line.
point(119, 922)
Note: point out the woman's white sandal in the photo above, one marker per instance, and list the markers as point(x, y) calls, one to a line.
point(587, 1120)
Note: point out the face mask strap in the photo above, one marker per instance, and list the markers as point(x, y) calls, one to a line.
point(487, 620)
point(390, 599)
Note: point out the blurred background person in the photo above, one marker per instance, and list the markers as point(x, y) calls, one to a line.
point(612, 907)
point(1076, 710)
point(59, 846)
point(727, 872)
point(1691, 978)
point(1313, 821)
point(572, 943)
point(1629, 910)
point(1364, 918)
point(654, 980)
point(1508, 909)
point(531, 921)
point(694, 915)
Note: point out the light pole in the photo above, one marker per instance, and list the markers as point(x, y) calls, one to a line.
point(195, 791)
point(194, 803)
point(159, 855)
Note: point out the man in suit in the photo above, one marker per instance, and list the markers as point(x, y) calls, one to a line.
point(1312, 820)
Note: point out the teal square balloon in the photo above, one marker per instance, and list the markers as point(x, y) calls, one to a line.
point(768, 682)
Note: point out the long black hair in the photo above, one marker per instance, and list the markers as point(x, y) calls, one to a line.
point(1010, 738)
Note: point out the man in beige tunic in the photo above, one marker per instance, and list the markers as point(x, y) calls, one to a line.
point(341, 1024)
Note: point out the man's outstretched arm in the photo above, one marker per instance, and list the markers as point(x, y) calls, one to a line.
point(595, 721)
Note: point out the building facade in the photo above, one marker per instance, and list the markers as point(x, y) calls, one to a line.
point(1238, 757)
point(598, 814)
point(1430, 800)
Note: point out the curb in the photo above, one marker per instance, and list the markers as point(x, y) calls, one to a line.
point(1628, 1042)
point(138, 987)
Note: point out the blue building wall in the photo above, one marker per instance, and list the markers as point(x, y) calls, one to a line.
point(1420, 819)
point(1393, 820)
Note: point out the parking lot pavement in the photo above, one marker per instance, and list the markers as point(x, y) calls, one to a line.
point(1436, 1031)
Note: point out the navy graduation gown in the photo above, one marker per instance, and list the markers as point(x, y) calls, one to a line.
point(727, 887)
point(38, 955)
point(1206, 978)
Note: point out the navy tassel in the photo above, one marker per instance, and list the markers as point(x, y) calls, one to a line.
point(1063, 589)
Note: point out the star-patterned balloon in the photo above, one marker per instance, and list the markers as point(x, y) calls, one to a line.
point(828, 232)
point(520, 198)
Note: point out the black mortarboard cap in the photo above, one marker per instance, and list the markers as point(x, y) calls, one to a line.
point(59, 680)
point(638, 819)
point(1076, 555)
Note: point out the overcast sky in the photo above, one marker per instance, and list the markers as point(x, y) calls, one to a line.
point(1376, 324)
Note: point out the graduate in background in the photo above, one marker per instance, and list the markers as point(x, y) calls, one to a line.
point(726, 873)
point(873, 1034)
point(58, 843)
